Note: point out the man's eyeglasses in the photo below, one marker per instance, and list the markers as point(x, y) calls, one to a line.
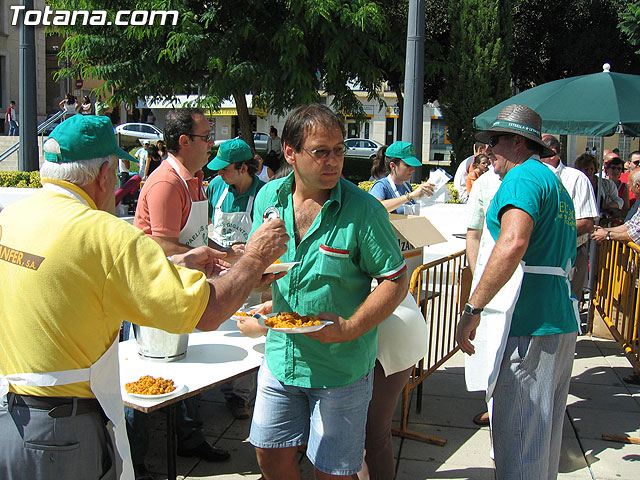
point(636, 163)
point(207, 138)
point(323, 154)
point(493, 141)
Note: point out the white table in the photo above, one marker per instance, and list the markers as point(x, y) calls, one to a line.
point(449, 219)
point(212, 359)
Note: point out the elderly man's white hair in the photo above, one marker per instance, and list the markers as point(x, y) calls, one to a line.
point(79, 173)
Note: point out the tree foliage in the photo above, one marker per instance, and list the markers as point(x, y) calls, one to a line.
point(478, 67)
point(555, 40)
point(630, 22)
point(281, 51)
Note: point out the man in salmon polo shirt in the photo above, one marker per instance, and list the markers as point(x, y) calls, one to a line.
point(173, 210)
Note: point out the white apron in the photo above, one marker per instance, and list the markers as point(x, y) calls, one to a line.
point(482, 368)
point(194, 233)
point(403, 337)
point(409, 207)
point(103, 377)
point(230, 228)
point(104, 380)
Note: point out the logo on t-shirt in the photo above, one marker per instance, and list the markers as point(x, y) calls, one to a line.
point(17, 257)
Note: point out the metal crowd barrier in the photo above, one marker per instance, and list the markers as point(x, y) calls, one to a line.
point(441, 288)
point(616, 296)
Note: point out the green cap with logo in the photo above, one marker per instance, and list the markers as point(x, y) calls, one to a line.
point(231, 151)
point(405, 152)
point(85, 137)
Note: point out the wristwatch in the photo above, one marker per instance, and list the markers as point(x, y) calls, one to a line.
point(471, 310)
point(608, 235)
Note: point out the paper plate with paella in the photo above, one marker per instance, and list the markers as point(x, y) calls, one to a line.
point(290, 322)
point(152, 388)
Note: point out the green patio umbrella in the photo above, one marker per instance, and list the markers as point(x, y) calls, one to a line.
point(596, 105)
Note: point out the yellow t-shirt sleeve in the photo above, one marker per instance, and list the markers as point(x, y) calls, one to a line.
point(145, 288)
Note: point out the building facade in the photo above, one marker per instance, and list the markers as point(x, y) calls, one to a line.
point(10, 61)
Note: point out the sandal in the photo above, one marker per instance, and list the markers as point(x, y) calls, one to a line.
point(481, 419)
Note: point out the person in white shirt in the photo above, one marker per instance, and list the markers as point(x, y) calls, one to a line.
point(12, 119)
point(274, 150)
point(142, 154)
point(482, 193)
point(584, 202)
point(265, 172)
point(460, 178)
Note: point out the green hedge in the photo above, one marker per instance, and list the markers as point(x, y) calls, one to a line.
point(20, 179)
point(453, 193)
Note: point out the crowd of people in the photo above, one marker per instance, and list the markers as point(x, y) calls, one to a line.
point(530, 217)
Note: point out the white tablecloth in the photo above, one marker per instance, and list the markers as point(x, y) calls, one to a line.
point(448, 218)
point(212, 359)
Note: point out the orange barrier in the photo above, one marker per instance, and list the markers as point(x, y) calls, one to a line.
point(440, 288)
point(616, 296)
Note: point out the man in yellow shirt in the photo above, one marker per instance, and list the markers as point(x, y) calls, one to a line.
point(69, 271)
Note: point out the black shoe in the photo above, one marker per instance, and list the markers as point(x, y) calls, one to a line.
point(633, 379)
point(238, 407)
point(206, 452)
point(142, 473)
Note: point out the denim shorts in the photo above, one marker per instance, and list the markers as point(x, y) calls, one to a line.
point(330, 421)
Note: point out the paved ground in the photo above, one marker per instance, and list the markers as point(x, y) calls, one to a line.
point(599, 402)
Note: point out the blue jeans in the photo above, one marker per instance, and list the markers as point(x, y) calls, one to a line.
point(13, 128)
point(330, 421)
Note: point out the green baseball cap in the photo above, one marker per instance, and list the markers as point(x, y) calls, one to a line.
point(85, 137)
point(231, 151)
point(405, 152)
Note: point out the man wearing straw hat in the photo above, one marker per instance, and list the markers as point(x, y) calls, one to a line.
point(521, 320)
point(70, 271)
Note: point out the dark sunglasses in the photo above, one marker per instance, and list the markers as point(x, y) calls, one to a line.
point(207, 138)
point(493, 141)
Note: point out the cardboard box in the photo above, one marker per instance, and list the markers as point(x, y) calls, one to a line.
point(414, 233)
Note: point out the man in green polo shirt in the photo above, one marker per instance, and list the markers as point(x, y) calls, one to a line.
point(314, 388)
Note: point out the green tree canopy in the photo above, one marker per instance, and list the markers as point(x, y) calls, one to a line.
point(283, 52)
point(554, 40)
point(478, 71)
point(630, 22)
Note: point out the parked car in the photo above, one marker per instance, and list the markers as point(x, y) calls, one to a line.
point(361, 147)
point(259, 140)
point(49, 128)
point(130, 134)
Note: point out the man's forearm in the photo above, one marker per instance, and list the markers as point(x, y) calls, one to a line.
point(619, 233)
point(515, 232)
point(170, 245)
point(228, 292)
point(502, 263)
point(473, 246)
point(584, 225)
point(379, 305)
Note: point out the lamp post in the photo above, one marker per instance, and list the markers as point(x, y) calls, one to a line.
point(28, 154)
point(414, 82)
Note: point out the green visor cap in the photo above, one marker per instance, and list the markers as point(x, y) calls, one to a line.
point(405, 152)
point(85, 137)
point(231, 151)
